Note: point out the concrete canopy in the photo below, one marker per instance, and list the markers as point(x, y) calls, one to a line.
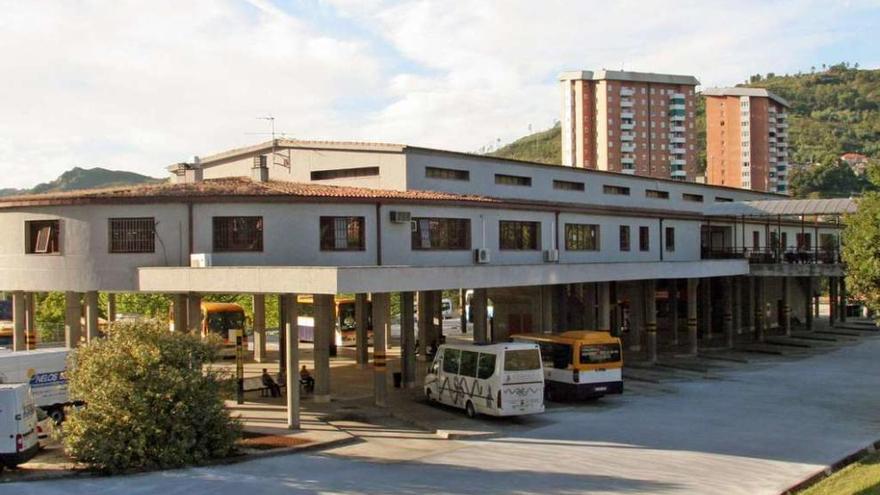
point(360, 279)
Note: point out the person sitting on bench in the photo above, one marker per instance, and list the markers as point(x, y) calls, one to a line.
point(269, 383)
point(305, 378)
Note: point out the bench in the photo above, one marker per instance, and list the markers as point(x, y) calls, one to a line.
point(255, 384)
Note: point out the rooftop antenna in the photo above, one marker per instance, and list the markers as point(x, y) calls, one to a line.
point(275, 135)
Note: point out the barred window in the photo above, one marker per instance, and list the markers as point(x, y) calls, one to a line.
point(644, 239)
point(618, 190)
point(342, 234)
point(624, 237)
point(238, 234)
point(516, 235)
point(654, 193)
point(441, 233)
point(581, 237)
point(447, 173)
point(512, 180)
point(42, 237)
point(344, 173)
point(567, 185)
point(132, 235)
point(696, 198)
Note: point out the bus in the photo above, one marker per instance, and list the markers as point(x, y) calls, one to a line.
point(6, 326)
point(226, 320)
point(345, 324)
point(579, 364)
point(494, 379)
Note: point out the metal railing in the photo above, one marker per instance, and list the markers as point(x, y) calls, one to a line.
point(767, 255)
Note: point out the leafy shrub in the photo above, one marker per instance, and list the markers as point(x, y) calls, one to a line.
point(151, 401)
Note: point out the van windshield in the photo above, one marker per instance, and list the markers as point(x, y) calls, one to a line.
point(522, 360)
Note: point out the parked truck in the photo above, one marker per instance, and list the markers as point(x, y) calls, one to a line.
point(18, 425)
point(45, 371)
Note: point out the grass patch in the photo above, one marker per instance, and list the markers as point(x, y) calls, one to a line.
point(859, 478)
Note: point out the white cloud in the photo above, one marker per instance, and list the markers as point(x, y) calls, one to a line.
point(137, 86)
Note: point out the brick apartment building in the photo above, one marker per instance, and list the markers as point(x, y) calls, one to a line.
point(746, 139)
point(631, 122)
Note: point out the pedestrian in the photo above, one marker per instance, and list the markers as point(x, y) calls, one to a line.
point(269, 383)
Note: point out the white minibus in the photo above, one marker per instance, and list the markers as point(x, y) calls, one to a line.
point(18, 425)
point(494, 379)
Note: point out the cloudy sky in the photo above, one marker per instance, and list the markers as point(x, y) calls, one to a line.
point(140, 85)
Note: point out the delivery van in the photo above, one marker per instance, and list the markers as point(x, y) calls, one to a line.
point(45, 370)
point(494, 379)
point(18, 425)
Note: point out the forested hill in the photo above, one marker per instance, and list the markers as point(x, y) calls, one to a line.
point(84, 178)
point(834, 110)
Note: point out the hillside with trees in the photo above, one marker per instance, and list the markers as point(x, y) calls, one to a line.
point(835, 110)
point(84, 178)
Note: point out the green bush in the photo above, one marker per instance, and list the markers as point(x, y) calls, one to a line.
point(151, 401)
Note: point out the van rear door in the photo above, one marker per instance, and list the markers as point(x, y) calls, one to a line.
point(523, 385)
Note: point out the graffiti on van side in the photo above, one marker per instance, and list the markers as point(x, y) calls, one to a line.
point(458, 389)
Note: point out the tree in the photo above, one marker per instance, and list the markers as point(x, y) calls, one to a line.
point(832, 179)
point(861, 245)
point(151, 401)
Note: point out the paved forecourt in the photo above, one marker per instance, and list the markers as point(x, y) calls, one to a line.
point(751, 431)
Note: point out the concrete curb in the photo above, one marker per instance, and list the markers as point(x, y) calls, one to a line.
point(833, 468)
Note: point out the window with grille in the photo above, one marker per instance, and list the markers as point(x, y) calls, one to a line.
point(670, 239)
point(42, 236)
point(696, 198)
point(344, 173)
point(515, 235)
point(441, 233)
point(447, 173)
point(132, 235)
point(644, 239)
point(342, 234)
point(619, 190)
point(238, 234)
point(566, 185)
point(654, 193)
point(624, 237)
point(512, 180)
point(581, 237)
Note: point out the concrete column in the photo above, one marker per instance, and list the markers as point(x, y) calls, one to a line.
point(259, 303)
point(323, 334)
point(603, 319)
point(759, 309)
point(727, 312)
point(786, 306)
point(19, 316)
point(436, 319)
point(462, 304)
point(91, 303)
point(692, 315)
point(194, 313)
point(282, 331)
point(651, 319)
point(72, 322)
point(672, 290)
point(381, 317)
point(424, 306)
point(706, 293)
point(111, 307)
point(30, 322)
point(636, 315)
point(808, 304)
point(407, 337)
point(842, 297)
point(587, 294)
point(179, 310)
point(290, 324)
point(362, 334)
point(751, 312)
point(546, 309)
point(479, 306)
point(832, 300)
point(736, 284)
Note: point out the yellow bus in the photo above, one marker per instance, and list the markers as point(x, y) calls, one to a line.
point(345, 324)
point(226, 320)
point(579, 364)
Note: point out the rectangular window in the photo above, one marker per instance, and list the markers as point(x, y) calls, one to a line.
point(345, 173)
point(756, 240)
point(512, 180)
point(653, 193)
point(238, 234)
point(468, 363)
point(441, 233)
point(695, 198)
point(804, 241)
point(451, 360)
point(523, 236)
point(581, 237)
point(719, 199)
point(619, 190)
point(342, 234)
point(644, 239)
point(568, 185)
point(624, 237)
point(670, 239)
point(447, 173)
point(132, 235)
point(42, 236)
point(486, 366)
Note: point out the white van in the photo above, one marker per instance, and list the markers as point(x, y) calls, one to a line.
point(45, 371)
point(495, 379)
point(18, 425)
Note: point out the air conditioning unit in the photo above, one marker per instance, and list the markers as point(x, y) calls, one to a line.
point(200, 260)
point(551, 255)
point(400, 217)
point(481, 255)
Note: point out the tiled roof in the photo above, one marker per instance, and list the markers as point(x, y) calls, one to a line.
point(233, 187)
